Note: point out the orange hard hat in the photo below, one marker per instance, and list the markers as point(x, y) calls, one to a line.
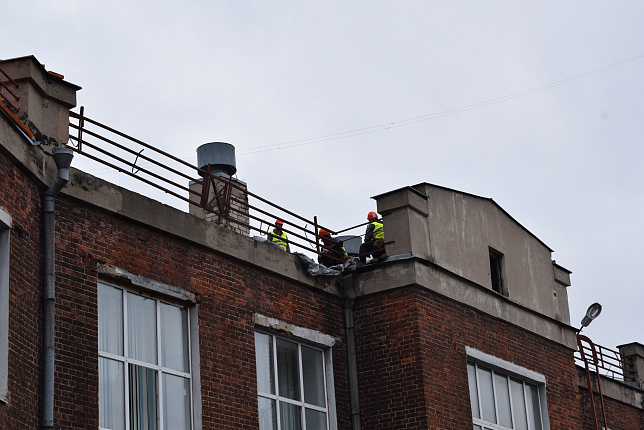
point(279, 221)
point(372, 215)
point(323, 232)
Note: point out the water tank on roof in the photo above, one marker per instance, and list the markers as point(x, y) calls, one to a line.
point(220, 156)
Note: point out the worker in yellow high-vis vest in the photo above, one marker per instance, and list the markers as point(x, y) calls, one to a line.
point(278, 236)
point(374, 239)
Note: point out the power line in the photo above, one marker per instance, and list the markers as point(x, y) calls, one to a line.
point(428, 117)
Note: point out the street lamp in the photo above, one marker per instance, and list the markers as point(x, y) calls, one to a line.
point(593, 312)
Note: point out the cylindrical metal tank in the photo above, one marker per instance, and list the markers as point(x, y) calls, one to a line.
point(220, 156)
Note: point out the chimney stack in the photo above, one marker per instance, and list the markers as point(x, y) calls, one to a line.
point(43, 98)
point(218, 158)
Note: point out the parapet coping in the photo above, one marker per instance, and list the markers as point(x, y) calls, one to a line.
point(413, 271)
point(615, 390)
point(422, 273)
point(141, 209)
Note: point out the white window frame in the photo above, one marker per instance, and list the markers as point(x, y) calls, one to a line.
point(510, 370)
point(5, 250)
point(310, 339)
point(159, 370)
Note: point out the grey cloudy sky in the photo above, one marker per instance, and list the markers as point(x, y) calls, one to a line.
point(408, 91)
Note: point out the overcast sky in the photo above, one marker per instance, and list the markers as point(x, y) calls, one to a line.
point(538, 105)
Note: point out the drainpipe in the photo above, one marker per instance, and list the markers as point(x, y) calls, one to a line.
point(347, 285)
point(63, 159)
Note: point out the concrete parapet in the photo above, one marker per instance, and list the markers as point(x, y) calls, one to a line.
point(562, 275)
point(427, 275)
point(615, 390)
point(404, 213)
point(635, 352)
point(44, 99)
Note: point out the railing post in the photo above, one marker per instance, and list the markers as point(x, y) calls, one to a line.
point(81, 124)
point(317, 234)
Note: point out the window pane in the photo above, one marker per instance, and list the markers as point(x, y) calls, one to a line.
point(477, 427)
point(503, 400)
point(534, 411)
point(174, 337)
point(111, 394)
point(176, 402)
point(315, 420)
point(288, 370)
point(142, 322)
point(474, 397)
point(487, 394)
point(143, 397)
point(313, 375)
point(518, 405)
point(290, 416)
point(264, 363)
point(110, 319)
point(267, 415)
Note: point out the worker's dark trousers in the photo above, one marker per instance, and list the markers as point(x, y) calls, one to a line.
point(367, 249)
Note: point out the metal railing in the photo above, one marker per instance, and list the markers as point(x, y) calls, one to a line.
point(603, 362)
point(214, 193)
point(606, 362)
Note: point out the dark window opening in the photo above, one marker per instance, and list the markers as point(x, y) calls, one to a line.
point(497, 272)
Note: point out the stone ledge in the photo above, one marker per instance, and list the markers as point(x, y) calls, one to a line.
point(615, 390)
point(422, 273)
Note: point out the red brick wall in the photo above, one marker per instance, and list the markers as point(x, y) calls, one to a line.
point(390, 371)
point(19, 197)
point(619, 416)
point(410, 342)
point(228, 293)
point(412, 362)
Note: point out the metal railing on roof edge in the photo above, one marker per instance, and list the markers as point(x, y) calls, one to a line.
point(114, 149)
point(606, 362)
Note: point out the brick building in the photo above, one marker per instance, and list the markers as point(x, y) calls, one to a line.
point(120, 312)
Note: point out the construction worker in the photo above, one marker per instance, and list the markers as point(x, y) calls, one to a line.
point(332, 250)
point(374, 239)
point(278, 237)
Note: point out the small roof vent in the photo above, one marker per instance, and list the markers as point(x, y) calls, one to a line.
point(220, 156)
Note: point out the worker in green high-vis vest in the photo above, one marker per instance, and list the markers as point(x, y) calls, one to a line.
point(278, 236)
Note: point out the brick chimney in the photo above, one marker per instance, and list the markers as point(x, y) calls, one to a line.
point(219, 159)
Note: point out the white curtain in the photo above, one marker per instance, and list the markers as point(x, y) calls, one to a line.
point(110, 319)
point(264, 363)
point(313, 375)
point(267, 415)
point(288, 377)
point(176, 402)
point(142, 322)
point(111, 394)
point(174, 337)
point(143, 398)
point(290, 416)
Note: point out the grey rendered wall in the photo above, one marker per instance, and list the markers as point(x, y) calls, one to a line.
point(459, 229)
